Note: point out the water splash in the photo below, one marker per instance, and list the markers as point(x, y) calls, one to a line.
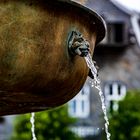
point(32, 120)
point(96, 83)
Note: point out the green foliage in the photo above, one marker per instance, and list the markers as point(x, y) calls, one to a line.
point(50, 125)
point(125, 124)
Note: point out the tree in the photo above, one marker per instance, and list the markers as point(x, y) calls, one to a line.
point(50, 125)
point(125, 124)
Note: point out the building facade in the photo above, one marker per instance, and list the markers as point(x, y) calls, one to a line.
point(118, 57)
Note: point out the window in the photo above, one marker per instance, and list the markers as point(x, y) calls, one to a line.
point(80, 105)
point(2, 120)
point(114, 92)
point(86, 131)
point(115, 34)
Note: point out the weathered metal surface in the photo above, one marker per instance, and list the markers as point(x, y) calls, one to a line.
point(36, 70)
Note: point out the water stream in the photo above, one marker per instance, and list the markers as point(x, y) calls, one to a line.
point(32, 120)
point(97, 85)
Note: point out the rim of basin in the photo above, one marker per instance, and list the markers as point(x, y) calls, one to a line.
point(97, 19)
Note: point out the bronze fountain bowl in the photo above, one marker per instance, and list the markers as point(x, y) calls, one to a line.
point(37, 72)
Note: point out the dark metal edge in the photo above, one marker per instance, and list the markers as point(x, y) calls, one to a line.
point(101, 28)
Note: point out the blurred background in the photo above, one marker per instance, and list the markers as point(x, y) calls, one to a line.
point(118, 59)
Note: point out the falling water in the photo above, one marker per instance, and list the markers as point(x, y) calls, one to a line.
point(97, 85)
point(32, 120)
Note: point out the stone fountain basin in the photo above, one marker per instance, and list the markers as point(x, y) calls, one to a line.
point(36, 70)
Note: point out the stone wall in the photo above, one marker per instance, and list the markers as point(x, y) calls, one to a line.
point(120, 64)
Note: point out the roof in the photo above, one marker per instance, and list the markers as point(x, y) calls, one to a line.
point(123, 8)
